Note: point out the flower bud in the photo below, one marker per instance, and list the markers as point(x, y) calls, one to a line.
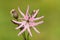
point(14, 13)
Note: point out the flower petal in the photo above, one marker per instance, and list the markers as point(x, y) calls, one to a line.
point(29, 32)
point(31, 23)
point(35, 29)
point(21, 31)
point(27, 11)
point(21, 12)
point(27, 15)
point(16, 22)
point(39, 23)
point(19, 26)
point(28, 29)
point(35, 13)
point(31, 19)
point(21, 18)
point(38, 18)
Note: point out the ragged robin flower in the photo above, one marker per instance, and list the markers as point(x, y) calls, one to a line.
point(28, 21)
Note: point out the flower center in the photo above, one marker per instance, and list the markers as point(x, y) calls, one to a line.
point(28, 21)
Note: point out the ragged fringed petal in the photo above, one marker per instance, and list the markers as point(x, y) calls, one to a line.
point(27, 11)
point(27, 14)
point(21, 12)
point(35, 24)
point(35, 29)
point(26, 17)
point(22, 31)
point(38, 23)
point(38, 18)
point(19, 26)
point(35, 13)
point(31, 19)
point(22, 24)
point(21, 18)
point(32, 24)
point(28, 29)
point(16, 22)
point(34, 19)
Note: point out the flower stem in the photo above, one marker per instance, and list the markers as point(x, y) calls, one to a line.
point(28, 36)
point(24, 36)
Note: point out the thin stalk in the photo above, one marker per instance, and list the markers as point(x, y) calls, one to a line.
point(24, 36)
point(28, 36)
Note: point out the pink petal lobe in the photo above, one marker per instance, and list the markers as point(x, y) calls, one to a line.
point(35, 29)
point(39, 18)
point(16, 22)
point(29, 32)
point(19, 26)
point(35, 13)
point(31, 19)
point(39, 23)
point(28, 29)
point(21, 12)
point(27, 11)
point(23, 23)
point(21, 31)
point(32, 23)
point(27, 15)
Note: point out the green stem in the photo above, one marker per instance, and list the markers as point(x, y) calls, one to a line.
point(28, 36)
point(24, 36)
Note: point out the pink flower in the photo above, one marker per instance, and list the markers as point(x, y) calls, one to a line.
point(28, 21)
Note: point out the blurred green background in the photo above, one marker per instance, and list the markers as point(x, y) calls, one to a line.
point(50, 29)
